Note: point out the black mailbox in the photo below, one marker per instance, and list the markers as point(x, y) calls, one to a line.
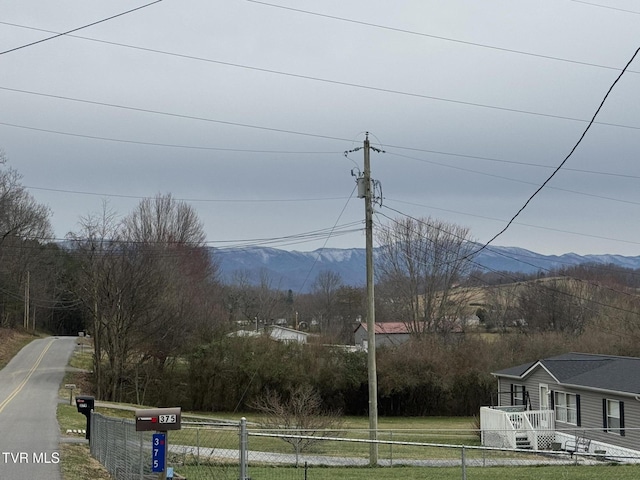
point(85, 406)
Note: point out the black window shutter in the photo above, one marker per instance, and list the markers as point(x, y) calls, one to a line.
point(578, 420)
point(622, 432)
point(604, 414)
point(512, 394)
point(553, 399)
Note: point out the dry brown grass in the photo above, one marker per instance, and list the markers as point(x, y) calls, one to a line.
point(11, 342)
point(77, 464)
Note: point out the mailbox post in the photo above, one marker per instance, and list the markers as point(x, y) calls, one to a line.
point(71, 387)
point(85, 406)
point(159, 420)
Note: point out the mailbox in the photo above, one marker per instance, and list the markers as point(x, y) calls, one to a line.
point(158, 419)
point(85, 404)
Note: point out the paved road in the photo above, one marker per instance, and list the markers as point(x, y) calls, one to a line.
point(29, 433)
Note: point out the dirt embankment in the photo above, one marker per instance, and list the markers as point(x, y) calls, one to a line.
point(11, 341)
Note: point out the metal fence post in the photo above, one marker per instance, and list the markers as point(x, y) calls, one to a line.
point(126, 464)
point(92, 421)
point(141, 456)
point(198, 445)
point(464, 465)
point(243, 449)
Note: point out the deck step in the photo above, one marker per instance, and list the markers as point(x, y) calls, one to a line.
point(523, 443)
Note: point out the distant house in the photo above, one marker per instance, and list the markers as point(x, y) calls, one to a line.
point(572, 401)
point(287, 335)
point(275, 332)
point(387, 334)
point(397, 333)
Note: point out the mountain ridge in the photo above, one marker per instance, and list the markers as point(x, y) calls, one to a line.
point(296, 270)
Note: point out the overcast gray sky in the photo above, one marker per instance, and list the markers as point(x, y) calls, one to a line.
point(245, 109)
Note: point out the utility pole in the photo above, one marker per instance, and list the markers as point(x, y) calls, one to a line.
point(365, 190)
point(26, 303)
point(371, 310)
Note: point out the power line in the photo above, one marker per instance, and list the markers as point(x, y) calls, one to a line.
point(207, 200)
point(327, 152)
point(306, 278)
point(513, 294)
point(502, 254)
point(171, 145)
point(80, 28)
point(499, 160)
point(467, 257)
point(605, 6)
point(584, 133)
point(174, 115)
point(632, 242)
point(293, 239)
point(502, 177)
point(438, 37)
point(350, 84)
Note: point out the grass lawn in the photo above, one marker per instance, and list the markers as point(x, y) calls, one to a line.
point(604, 472)
point(77, 463)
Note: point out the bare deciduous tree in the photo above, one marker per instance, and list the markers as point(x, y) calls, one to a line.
point(559, 305)
point(503, 307)
point(24, 227)
point(420, 265)
point(96, 246)
point(145, 281)
point(325, 289)
point(255, 304)
point(301, 415)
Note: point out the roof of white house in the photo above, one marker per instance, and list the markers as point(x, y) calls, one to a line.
point(603, 372)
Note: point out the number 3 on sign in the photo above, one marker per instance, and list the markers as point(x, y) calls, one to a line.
point(167, 419)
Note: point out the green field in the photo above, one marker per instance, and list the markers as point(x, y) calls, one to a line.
point(603, 472)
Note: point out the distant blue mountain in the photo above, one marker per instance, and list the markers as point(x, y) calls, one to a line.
point(298, 270)
point(291, 270)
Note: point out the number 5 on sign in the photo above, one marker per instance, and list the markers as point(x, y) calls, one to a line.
point(159, 441)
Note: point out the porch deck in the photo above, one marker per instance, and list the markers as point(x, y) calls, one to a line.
point(509, 427)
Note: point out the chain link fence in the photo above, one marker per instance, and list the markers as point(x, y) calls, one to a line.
point(196, 451)
point(243, 451)
point(413, 454)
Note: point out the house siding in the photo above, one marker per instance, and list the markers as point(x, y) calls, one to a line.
point(533, 381)
point(593, 379)
point(592, 419)
point(531, 384)
point(590, 409)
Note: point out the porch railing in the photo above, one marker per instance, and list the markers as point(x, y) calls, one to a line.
point(500, 428)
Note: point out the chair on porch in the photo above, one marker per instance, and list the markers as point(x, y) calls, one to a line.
point(577, 445)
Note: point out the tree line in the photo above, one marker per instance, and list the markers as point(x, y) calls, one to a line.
point(147, 290)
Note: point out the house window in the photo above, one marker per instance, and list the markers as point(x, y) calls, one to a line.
point(517, 394)
point(566, 407)
point(613, 413)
